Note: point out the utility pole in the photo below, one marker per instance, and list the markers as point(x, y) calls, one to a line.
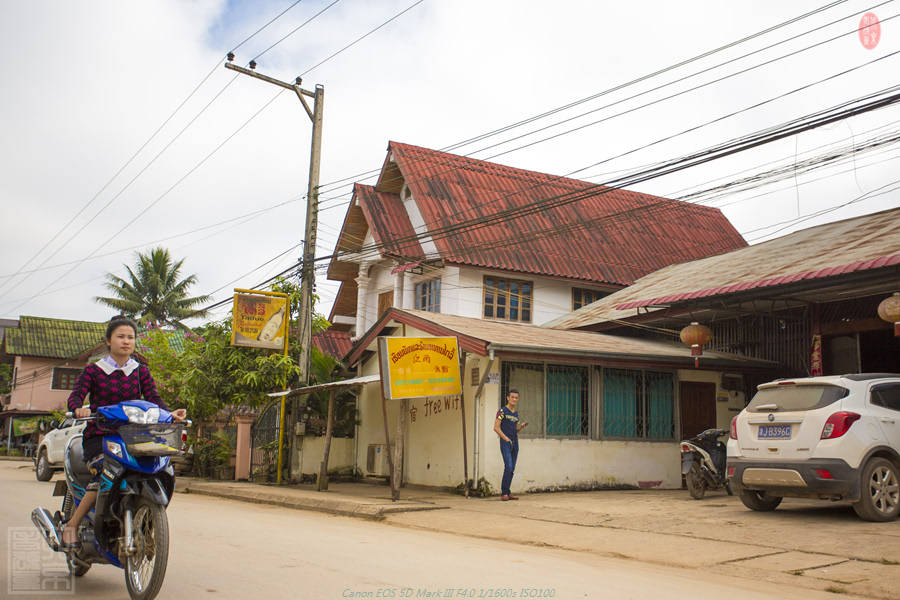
point(312, 200)
point(309, 240)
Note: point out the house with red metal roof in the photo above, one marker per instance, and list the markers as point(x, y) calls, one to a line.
point(444, 245)
point(446, 233)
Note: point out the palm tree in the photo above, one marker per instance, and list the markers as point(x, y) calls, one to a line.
point(154, 295)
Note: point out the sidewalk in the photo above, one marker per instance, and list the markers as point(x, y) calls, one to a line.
point(808, 544)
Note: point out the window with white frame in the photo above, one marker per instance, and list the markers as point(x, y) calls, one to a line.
point(64, 378)
point(428, 295)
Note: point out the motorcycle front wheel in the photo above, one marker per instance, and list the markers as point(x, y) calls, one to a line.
point(146, 568)
point(696, 485)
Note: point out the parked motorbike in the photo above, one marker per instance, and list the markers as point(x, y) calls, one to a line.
point(703, 463)
point(127, 527)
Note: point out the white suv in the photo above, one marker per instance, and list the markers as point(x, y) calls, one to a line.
point(51, 452)
point(835, 438)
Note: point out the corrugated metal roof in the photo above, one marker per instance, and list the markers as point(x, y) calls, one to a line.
point(333, 343)
point(63, 338)
point(857, 244)
point(514, 337)
point(53, 338)
point(389, 222)
point(613, 236)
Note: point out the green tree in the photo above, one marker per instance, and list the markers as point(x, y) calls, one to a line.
point(5, 378)
point(153, 294)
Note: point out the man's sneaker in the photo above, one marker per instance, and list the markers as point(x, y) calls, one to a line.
point(511, 497)
point(505, 497)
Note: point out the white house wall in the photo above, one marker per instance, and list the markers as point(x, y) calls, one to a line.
point(551, 298)
point(434, 442)
point(728, 404)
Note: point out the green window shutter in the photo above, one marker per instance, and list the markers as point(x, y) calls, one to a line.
point(620, 400)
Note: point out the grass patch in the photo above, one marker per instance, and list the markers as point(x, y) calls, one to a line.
point(887, 561)
point(796, 572)
point(836, 589)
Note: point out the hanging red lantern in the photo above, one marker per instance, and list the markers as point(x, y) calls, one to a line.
point(695, 335)
point(889, 310)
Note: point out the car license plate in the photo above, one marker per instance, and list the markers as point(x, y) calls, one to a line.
point(774, 432)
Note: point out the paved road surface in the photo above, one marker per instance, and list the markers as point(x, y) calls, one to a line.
point(225, 549)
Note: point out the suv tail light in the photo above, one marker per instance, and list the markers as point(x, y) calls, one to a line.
point(733, 434)
point(838, 424)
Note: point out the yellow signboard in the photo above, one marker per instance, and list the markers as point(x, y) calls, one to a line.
point(260, 320)
point(419, 367)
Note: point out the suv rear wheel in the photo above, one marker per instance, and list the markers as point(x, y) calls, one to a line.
point(760, 501)
point(879, 494)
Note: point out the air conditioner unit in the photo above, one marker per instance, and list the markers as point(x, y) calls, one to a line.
point(377, 461)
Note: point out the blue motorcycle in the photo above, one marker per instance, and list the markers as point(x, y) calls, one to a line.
point(127, 527)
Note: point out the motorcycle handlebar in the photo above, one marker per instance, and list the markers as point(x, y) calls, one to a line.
point(70, 414)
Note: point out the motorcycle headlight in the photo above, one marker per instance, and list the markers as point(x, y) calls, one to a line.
point(114, 448)
point(138, 415)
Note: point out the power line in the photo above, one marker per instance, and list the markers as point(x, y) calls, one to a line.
point(607, 91)
point(160, 197)
point(683, 92)
point(362, 37)
point(881, 99)
point(134, 155)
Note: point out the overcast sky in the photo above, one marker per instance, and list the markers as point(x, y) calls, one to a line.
point(86, 84)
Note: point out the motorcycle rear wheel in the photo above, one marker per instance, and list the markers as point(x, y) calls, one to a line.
point(146, 569)
point(696, 485)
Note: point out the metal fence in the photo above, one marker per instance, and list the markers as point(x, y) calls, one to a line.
point(264, 443)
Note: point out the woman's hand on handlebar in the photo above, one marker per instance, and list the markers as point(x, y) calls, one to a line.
point(82, 412)
point(180, 414)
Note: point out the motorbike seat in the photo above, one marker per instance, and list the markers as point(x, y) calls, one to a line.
point(75, 465)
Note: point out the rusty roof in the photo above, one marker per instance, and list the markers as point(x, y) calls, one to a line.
point(608, 235)
point(389, 222)
point(849, 246)
point(481, 336)
point(332, 342)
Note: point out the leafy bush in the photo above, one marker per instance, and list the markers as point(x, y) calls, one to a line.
point(210, 453)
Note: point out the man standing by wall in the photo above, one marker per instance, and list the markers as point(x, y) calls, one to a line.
point(507, 426)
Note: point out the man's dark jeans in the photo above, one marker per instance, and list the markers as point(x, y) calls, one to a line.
point(510, 452)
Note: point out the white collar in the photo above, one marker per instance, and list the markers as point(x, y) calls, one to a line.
point(108, 365)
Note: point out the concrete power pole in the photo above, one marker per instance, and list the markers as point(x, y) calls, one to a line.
point(309, 240)
point(312, 201)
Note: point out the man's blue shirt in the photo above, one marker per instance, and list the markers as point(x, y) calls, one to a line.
point(509, 422)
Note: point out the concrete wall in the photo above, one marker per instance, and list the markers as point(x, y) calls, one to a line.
point(340, 455)
point(33, 392)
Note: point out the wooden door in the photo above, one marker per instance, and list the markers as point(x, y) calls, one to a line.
point(385, 301)
point(698, 407)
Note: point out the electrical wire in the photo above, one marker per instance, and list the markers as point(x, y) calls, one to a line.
point(136, 153)
point(647, 76)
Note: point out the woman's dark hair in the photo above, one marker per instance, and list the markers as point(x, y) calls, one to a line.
point(118, 321)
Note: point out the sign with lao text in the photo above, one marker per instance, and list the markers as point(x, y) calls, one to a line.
point(260, 320)
point(419, 367)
